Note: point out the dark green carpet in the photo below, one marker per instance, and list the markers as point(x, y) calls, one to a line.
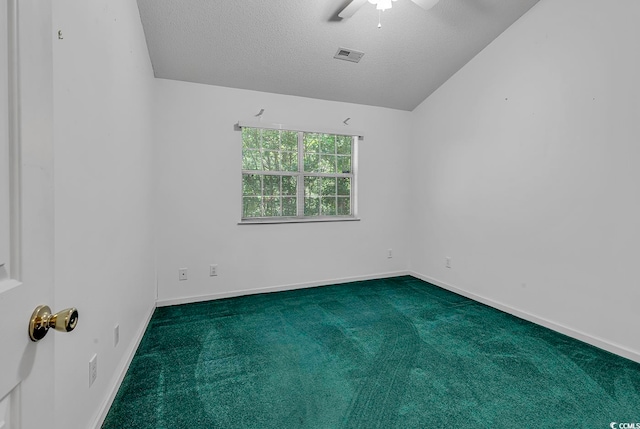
point(392, 353)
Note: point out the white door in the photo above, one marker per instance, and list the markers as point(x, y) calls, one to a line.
point(26, 212)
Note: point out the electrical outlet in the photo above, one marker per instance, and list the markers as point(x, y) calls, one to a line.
point(447, 262)
point(116, 335)
point(182, 274)
point(93, 369)
point(389, 253)
point(213, 270)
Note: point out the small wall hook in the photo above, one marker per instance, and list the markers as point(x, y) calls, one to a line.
point(60, 35)
point(346, 121)
point(259, 113)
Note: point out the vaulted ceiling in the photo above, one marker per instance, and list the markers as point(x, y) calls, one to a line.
point(287, 46)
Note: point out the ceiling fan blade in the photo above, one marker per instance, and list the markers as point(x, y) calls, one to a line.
point(426, 4)
point(351, 8)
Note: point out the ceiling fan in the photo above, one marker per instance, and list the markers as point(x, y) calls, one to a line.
point(353, 7)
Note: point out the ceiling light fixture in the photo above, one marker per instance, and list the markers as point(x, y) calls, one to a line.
point(355, 5)
point(382, 4)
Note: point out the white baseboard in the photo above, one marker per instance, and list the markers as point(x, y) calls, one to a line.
point(570, 332)
point(231, 294)
point(121, 371)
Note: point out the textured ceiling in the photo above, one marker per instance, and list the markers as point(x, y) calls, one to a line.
point(287, 46)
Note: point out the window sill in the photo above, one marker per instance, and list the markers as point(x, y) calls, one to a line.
point(262, 221)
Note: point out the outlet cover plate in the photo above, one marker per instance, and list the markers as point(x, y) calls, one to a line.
point(93, 369)
point(116, 335)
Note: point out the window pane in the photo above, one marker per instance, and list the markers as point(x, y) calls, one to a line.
point(288, 161)
point(251, 207)
point(270, 140)
point(289, 206)
point(250, 138)
point(270, 160)
point(275, 194)
point(271, 206)
point(251, 160)
point(328, 144)
point(328, 206)
point(251, 185)
point(311, 163)
point(344, 164)
point(289, 141)
point(289, 185)
point(271, 186)
point(328, 186)
point(312, 206)
point(344, 206)
point(344, 186)
point(343, 144)
point(327, 164)
point(312, 142)
point(312, 186)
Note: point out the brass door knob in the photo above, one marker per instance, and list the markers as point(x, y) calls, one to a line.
point(42, 319)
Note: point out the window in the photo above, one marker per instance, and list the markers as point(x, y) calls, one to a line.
point(297, 175)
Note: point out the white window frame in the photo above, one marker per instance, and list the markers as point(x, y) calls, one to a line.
point(300, 174)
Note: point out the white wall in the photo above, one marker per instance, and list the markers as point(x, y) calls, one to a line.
point(103, 186)
point(198, 194)
point(526, 172)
